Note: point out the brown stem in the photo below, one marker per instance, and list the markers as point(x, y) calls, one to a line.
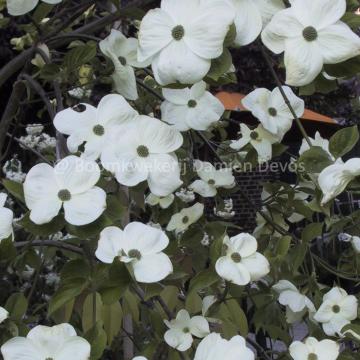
point(50, 243)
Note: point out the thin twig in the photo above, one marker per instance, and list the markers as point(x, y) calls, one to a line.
point(49, 243)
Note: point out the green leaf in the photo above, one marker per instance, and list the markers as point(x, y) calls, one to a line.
point(347, 68)
point(15, 189)
point(66, 292)
point(91, 230)
point(343, 141)
point(230, 36)
point(56, 225)
point(16, 305)
point(203, 280)
point(314, 160)
point(7, 249)
point(91, 311)
point(220, 65)
point(311, 232)
point(112, 316)
point(78, 56)
point(352, 19)
point(78, 268)
point(283, 246)
point(238, 316)
point(97, 338)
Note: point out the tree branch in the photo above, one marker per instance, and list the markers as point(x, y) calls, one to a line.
point(49, 243)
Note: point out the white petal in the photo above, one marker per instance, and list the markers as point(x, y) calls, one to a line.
point(245, 244)
point(283, 285)
point(20, 7)
point(43, 211)
point(3, 198)
point(248, 22)
point(303, 61)
point(86, 207)
point(166, 201)
point(198, 90)
point(177, 339)
point(177, 63)
point(277, 101)
point(293, 299)
point(203, 188)
point(257, 265)
point(349, 307)
point(319, 13)
point(324, 313)
point(164, 175)
point(110, 244)
point(76, 174)
point(338, 43)
point(327, 350)
point(177, 96)
point(199, 326)
point(206, 33)
point(257, 102)
point(74, 345)
point(147, 239)
point(113, 110)
point(152, 268)
point(130, 171)
point(125, 81)
point(231, 271)
point(283, 25)
point(19, 348)
point(4, 314)
point(6, 219)
point(298, 350)
point(175, 115)
point(154, 33)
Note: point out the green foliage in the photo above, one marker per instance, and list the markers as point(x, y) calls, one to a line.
point(315, 159)
point(343, 141)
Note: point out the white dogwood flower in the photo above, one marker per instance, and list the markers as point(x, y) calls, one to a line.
point(186, 217)
point(297, 304)
point(163, 201)
point(59, 342)
point(259, 138)
point(251, 16)
point(214, 347)
point(94, 125)
point(337, 310)
point(71, 184)
point(241, 263)
point(312, 349)
point(211, 179)
point(21, 7)
point(270, 108)
point(139, 358)
point(319, 141)
point(144, 151)
point(334, 179)
point(207, 302)
point(310, 34)
point(182, 37)
point(4, 314)
point(6, 219)
point(191, 108)
point(122, 52)
point(138, 245)
point(183, 328)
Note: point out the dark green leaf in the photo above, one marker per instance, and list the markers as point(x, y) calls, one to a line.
point(343, 141)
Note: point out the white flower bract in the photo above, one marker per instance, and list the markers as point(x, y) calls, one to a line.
point(144, 151)
point(214, 347)
point(59, 342)
point(183, 328)
point(21, 7)
point(138, 245)
point(122, 52)
point(310, 34)
point(94, 125)
point(163, 201)
point(337, 310)
point(191, 108)
point(242, 263)
point(311, 348)
point(6, 219)
point(71, 184)
point(270, 108)
point(4, 314)
point(182, 37)
point(211, 179)
point(186, 217)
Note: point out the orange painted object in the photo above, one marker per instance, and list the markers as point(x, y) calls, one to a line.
point(232, 102)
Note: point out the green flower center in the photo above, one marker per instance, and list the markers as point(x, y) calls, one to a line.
point(186, 330)
point(312, 356)
point(64, 195)
point(99, 130)
point(272, 111)
point(185, 219)
point(336, 309)
point(49, 358)
point(236, 257)
point(122, 60)
point(310, 33)
point(143, 151)
point(254, 135)
point(211, 182)
point(135, 254)
point(192, 103)
point(178, 32)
